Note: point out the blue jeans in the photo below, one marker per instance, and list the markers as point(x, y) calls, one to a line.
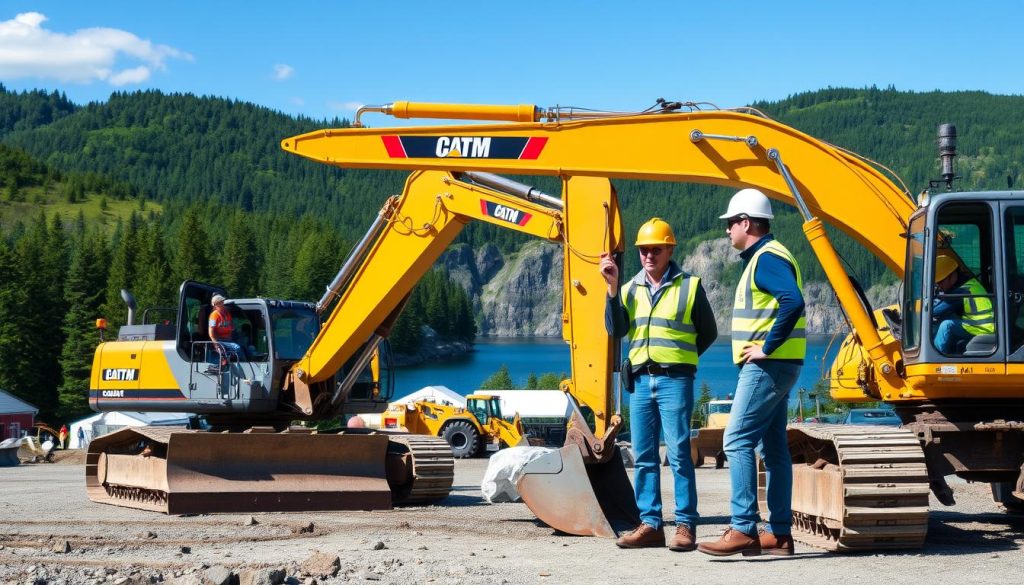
point(948, 334)
point(663, 404)
point(758, 420)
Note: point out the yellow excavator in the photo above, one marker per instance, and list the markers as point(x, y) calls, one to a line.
point(479, 426)
point(299, 361)
point(855, 488)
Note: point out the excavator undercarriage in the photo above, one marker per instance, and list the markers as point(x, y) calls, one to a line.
point(180, 471)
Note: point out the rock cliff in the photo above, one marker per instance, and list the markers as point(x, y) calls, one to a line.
point(521, 295)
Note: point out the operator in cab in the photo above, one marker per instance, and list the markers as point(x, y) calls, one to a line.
point(221, 330)
point(959, 318)
point(768, 344)
point(666, 315)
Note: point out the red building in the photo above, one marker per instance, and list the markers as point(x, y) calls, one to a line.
point(16, 416)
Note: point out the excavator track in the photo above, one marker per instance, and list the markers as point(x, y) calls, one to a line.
point(432, 468)
point(180, 471)
point(857, 488)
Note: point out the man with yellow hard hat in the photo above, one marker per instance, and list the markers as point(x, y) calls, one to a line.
point(669, 323)
point(962, 317)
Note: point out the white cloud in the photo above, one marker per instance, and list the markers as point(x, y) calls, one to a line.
point(345, 106)
point(84, 56)
point(282, 71)
point(298, 101)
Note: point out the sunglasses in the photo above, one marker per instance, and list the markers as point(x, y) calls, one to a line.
point(650, 251)
point(735, 220)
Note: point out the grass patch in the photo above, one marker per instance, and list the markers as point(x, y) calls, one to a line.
point(99, 209)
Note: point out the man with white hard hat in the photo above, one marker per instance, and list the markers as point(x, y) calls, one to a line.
point(768, 343)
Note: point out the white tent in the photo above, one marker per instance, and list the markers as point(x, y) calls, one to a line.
point(108, 422)
point(531, 403)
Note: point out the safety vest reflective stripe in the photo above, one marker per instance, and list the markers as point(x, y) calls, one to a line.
point(979, 316)
point(755, 311)
point(662, 334)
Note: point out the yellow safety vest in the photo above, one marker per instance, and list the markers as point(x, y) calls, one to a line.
point(754, 311)
point(979, 317)
point(663, 334)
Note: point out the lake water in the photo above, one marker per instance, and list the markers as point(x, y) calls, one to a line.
point(540, 355)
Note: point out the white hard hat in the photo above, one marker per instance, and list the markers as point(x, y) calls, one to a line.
point(217, 299)
point(749, 202)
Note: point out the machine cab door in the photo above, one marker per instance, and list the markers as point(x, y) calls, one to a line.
point(193, 316)
point(950, 306)
point(1013, 239)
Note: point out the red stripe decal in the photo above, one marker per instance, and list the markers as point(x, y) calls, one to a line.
point(483, 207)
point(394, 146)
point(533, 148)
point(526, 216)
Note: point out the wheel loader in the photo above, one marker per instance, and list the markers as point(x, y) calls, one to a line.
point(707, 440)
point(855, 488)
point(479, 427)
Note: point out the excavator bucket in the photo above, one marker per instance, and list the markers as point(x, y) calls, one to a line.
point(9, 452)
point(177, 471)
point(580, 499)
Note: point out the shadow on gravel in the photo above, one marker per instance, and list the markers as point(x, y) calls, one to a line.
point(461, 501)
point(959, 533)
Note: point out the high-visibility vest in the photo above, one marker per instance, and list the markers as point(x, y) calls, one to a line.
point(222, 325)
point(979, 316)
point(754, 311)
point(664, 333)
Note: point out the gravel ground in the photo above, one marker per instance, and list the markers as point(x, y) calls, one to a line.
point(51, 533)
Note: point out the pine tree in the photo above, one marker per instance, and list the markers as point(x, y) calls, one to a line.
point(154, 287)
point(531, 382)
point(241, 270)
point(14, 330)
point(699, 418)
point(500, 380)
point(192, 259)
point(122, 270)
point(84, 293)
point(318, 261)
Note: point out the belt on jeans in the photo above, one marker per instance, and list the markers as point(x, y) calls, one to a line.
point(659, 370)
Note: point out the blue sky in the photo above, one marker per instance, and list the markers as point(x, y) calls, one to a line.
point(323, 59)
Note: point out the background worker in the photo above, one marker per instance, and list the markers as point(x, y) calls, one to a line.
point(768, 343)
point(221, 330)
point(669, 322)
point(959, 318)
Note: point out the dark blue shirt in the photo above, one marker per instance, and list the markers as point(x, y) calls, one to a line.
point(616, 318)
point(951, 309)
point(777, 277)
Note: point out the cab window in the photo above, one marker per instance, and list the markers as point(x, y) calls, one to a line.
point(294, 331)
point(913, 287)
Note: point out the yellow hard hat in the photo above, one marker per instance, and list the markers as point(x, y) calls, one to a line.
point(656, 232)
point(944, 266)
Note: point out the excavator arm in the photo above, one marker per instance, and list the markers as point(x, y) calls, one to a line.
point(826, 183)
point(412, 231)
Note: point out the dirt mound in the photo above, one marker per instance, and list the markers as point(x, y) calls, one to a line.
point(69, 457)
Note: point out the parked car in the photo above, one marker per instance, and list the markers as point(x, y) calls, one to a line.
point(872, 416)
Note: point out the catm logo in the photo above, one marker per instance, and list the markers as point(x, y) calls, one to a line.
point(494, 147)
point(503, 212)
point(120, 375)
point(113, 394)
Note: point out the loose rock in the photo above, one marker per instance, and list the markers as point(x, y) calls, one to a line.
point(307, 529)
point(219, 575)
point(261, 577)
point(379, 545)
point(186, 550)
point(250, 521)
point(62, 546)
point(321, 565)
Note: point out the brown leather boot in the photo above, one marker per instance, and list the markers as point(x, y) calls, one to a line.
point(683, 540)
point(643, 536)
point(771, 544)
point(732, 542)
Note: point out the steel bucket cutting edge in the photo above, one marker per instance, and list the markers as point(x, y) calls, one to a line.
point(584, 500)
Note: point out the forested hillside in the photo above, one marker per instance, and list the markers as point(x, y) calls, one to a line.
point(147, 189)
